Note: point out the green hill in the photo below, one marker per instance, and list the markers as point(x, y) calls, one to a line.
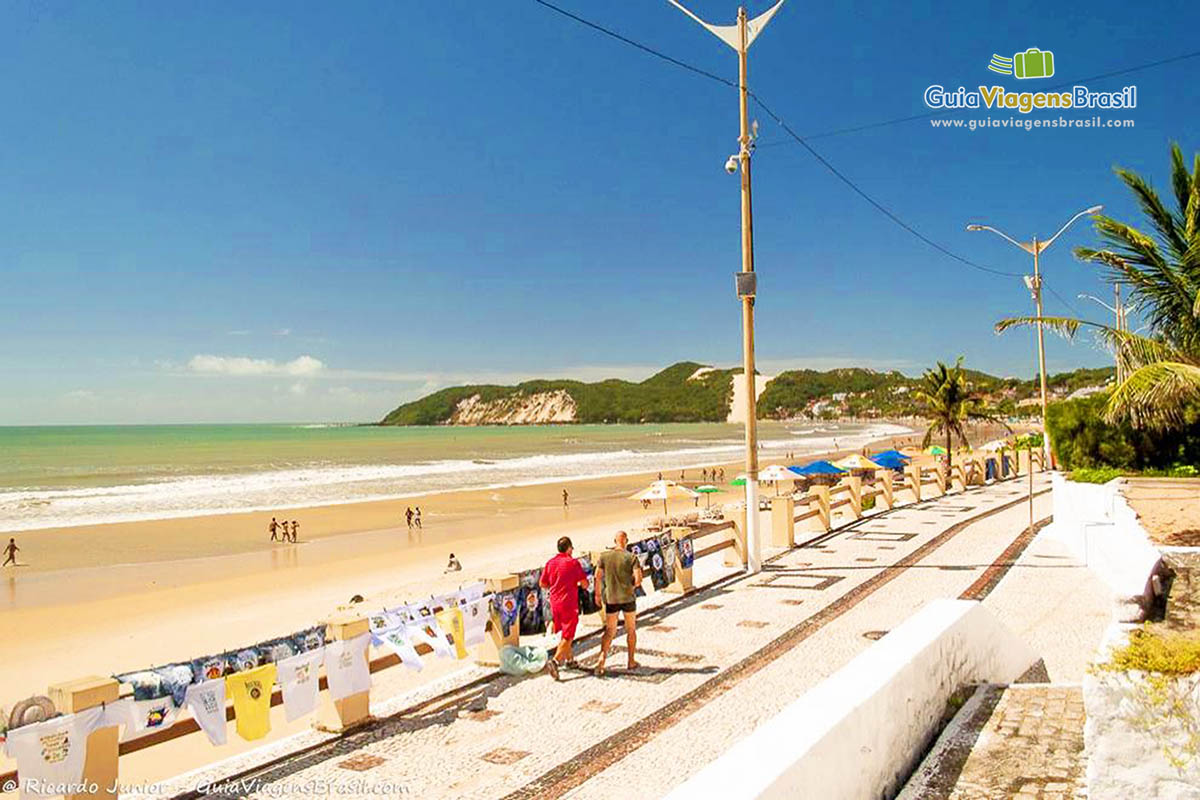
point(668, 396)
point(672, 395)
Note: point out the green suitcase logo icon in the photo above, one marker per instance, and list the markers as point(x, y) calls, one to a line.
point(1033, 63)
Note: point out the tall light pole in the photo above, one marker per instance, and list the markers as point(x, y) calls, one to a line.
point(1119, 313)
point(1034, 282)
point(740, 36)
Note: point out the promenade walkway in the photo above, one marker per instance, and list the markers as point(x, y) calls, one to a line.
point(715, 664)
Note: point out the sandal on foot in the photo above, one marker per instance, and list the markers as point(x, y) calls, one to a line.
point(599, 672)
point(552, 668)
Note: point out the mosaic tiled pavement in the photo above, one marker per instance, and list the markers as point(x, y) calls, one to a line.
point(715, 664)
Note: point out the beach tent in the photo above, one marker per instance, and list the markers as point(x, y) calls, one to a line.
point(818, 468)
point(857, 461)
point(661, 490)
point(890, 454)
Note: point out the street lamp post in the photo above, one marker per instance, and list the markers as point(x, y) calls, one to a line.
point(740, 36)
point(1119, 313)
point(1034, 282)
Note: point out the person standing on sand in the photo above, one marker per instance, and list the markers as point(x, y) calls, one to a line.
point(565, 498)
point(274, 529)
point(295, 529)
point(10, 553)
point(417, 517)
point(563, 576)
point(617, 573)
point(408, 516)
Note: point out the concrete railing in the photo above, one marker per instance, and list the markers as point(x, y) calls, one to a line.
point(860, 732)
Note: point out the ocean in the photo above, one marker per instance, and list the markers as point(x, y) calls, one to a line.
point(84, 475)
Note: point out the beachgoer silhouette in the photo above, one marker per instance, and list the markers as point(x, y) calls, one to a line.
point(274, 529)
point(417, 516)
point(10, 553)
point(565, 498)
point(453, 565)
point(295, 528)
point(408, 516)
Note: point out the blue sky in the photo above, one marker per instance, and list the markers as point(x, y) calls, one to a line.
point(298, 211)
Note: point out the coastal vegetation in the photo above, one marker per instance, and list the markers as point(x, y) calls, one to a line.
point(949, 403)
point(693, 392)
point(1159, 269)
point(1083, 437)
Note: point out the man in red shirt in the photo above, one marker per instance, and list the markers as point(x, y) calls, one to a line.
point(563, 576)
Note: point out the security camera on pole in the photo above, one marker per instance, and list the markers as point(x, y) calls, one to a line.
point(740, 37)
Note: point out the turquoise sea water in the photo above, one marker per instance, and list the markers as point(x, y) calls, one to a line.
point(56, 476)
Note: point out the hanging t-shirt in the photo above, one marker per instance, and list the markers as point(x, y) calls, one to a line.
point(450, 620)
point(298, 678)
point(423, 628)
point(529, 596)
point(141, 717)
point(472, 591)
point(210, 667)
point(666, 548)
point(251, 693)
point(50, 754)
point(687, 553)
point(475, 617)
point(346, 666)
point(399, 642)
point(206, 701)
point(508, 609)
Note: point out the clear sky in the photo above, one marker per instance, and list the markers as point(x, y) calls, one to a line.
point(312, 211)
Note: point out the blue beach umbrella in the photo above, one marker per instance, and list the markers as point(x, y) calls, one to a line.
point(889, 461)
point(818, 468)
point(893, 454)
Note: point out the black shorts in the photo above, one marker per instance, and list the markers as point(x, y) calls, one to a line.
point(611, 609)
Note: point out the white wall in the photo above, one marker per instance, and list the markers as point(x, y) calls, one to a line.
point(1099, 527)
point(859, 733)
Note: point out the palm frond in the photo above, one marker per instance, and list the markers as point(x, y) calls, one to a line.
point(1066, 327)
point(1155, 395)
point(1165, 223)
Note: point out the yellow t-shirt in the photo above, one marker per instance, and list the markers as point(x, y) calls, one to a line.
point(251, 693)
point(451, 621)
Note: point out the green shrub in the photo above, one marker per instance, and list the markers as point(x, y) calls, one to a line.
point(1096, 474)
point(1163, 651)
point(1081, 438)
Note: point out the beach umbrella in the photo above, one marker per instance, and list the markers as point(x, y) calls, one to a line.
point(740, 480)
point(856, 462)
point(818, 468)
point(997, 445)
point(662, 490)
point(935, 450)
point(889, 461)
point(890, 454)
point(708, 490)
point(776, 474)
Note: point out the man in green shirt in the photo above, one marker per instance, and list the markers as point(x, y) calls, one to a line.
point(617, 574)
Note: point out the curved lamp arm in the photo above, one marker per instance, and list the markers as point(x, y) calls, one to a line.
point(1002, 234)
point(1070, 222)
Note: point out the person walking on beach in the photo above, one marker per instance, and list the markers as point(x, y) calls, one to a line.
point(408, 516)
point(564, 576)
point(417, 517)
point(274, 529)
point(295, 529)
point(566, 497)
point(10, 553)
point(617, 574)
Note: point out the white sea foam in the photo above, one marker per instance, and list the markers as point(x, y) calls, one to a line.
point(331, 484)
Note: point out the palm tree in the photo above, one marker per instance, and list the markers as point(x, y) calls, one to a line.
point(949, 404)
point(1161, 273)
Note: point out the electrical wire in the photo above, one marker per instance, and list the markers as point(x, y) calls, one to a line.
point(779, 120)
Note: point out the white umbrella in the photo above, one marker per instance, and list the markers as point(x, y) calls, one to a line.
point(996, 445)
point(661, 490)
point(776, 474)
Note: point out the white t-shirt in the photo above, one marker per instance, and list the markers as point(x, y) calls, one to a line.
point(423, 628)
point(50, 754)
point(346, 666)
point(141, 717)
point(207, 703)
point(475, 617)
point(397, 640)
point(298, 676)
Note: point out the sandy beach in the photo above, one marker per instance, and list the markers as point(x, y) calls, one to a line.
point(103, 600)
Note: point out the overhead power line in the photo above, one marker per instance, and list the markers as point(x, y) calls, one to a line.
point(799, 140)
